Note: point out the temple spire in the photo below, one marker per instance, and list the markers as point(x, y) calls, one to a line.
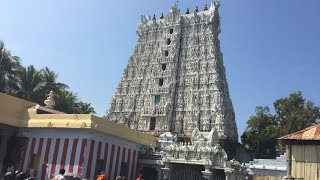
point(163, 101)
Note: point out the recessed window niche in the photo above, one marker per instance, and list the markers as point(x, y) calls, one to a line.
point(164, 67)
point(166, 53)
point(157, 99)
point(160, 82)
point(171, 30)
point(152, 125)
point(168, 41)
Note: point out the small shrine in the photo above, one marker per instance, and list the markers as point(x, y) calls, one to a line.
point(201, 158)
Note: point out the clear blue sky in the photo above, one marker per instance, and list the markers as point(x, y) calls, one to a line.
point(271, 48)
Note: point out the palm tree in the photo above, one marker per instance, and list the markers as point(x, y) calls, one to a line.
point(9, 66)
point(27, 84)
point(49, 82)
point(85, 108)
point(66, 101)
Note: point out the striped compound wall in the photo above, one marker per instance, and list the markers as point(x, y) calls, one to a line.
point(79, 153)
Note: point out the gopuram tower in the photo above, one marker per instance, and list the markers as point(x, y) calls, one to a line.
point(175, 79)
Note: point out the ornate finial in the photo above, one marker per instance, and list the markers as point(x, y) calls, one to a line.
point(205, 7)
point(49, 102)
point(187, 12)
point(154, 17)
point(161, 17)
point(174, 8)
point(196, 10)
point(217, 4)
point(177, 2)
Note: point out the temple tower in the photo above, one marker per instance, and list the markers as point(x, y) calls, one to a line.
point(175, 79)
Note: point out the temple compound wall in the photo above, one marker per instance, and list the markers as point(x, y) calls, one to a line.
point(83, 153)
point(175, 79)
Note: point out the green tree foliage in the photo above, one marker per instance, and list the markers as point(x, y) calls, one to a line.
point(66, 101)
point(260, 136)
point(50, 82)
point(33, 85)
point(9, 66)
point(292, 114)
point(69, 102)
point(85, 108)
point(26, 84)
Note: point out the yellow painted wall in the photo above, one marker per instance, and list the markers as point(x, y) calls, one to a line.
point(13, 111)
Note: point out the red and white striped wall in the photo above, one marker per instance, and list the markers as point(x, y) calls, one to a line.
point(77, 152)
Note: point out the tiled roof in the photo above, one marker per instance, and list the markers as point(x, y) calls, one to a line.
point(310, 133)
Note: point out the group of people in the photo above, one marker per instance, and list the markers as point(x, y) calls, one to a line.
point(16, 176)
point(102, 176)
point(60, 176)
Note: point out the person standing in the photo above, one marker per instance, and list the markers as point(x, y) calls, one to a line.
point(60, 175)
point(140, 177)
point(102, 176)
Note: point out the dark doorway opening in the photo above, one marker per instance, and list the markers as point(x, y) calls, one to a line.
point(160, 82)
point(152, 125)
point(219, 174)
point(168, 41)
point(164, 67)
point(149, 173)
point(187, 172)
point(166, 53)
point(171, 30)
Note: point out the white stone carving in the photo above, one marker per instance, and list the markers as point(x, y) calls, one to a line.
point(49, 102)
point(204, 149)
point(183, 52)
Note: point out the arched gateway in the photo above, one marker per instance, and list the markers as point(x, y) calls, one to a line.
point(201, 158)
point(187, 172)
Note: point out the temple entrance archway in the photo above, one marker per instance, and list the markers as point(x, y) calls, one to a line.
point(187, 172)
point(149, 173)
point(219, 174)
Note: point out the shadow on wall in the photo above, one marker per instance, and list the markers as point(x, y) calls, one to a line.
point(242, 154)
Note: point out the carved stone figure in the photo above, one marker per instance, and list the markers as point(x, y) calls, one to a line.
point(204, 149)
point(213, 137)
point(195, 135)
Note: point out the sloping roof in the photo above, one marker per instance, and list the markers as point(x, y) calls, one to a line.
point(310, 133)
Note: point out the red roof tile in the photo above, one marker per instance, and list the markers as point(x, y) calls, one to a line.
point(310, 133)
